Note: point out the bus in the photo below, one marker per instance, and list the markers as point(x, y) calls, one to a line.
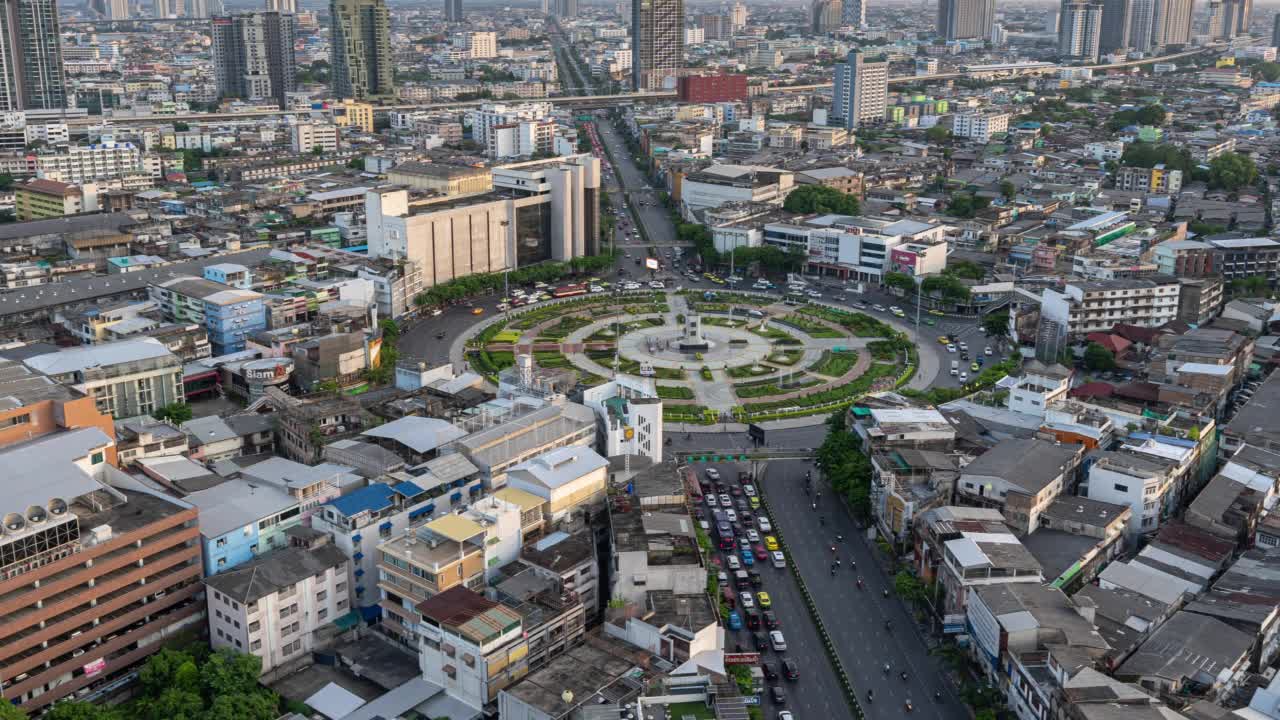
point(569, 291)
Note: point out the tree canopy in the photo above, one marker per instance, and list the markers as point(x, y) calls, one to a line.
point(821, 199)
point(997, 325)
point(1146, 155)
point(1268, 71)
point(966, 205)
point(1232, 171)
point(1148, 115)
point(177, 413)
point(844, 464)
point(1097, 357)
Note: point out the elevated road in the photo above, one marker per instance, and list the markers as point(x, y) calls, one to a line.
point(597, 101)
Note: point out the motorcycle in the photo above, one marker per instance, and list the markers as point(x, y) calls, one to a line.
point(859, 583)
point(886, 593)
point(904, 676)
point(909, 708)
point(870, 695)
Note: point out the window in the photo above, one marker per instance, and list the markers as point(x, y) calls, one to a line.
point(97, 458)
point(322, 613)
point(219, 633)
point(340, 587)
point(1122, 488)
point(238, 644)
point(235, 605)
point(320, 596)
point(342, 603)
point(222, 562)
point(236, 623)
point(254, 626)
point(384, 532)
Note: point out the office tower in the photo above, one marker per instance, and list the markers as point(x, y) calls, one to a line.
point(657, 41)
point(1117, 19)
point(715, 26)
point(567, 8)
point(282, 6)
point(853, 13)
point(825, 16)
point(253, 56)
point(739, 16)
point(965, 19)
point(360, 49)
point(1275, 30)
point(1236, 15)
point(1171, 23)
point(1078, 38)
point(1141, 24)
point(203, 8)
point(861, 90)
point(1215, 19)
point(453, 10)
point(30, 56)
point(117, 9)
point(1051, 22)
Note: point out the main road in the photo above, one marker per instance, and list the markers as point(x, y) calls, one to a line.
point(855, 618)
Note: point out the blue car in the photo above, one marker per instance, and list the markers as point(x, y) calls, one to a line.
point(735, 621)
point(747, 558)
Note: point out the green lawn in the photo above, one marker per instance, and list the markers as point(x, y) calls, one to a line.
point(834, 364)
point(674, 392)
point(697, 710)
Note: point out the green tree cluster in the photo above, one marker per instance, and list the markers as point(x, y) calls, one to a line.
point(1268, 71)
point(966, 269)
point(844, 464)
point(1232, 171)
point(388, 355)
point(966, 205)
point(1255, 286)
point(471, 285)
point(900, 281)
point(1146, 155)
point(176, 413)
point(997, 325)
point(190, 684)
point(820, 199)
point(1148, 115)
point(947, 287)
point(1097, 357)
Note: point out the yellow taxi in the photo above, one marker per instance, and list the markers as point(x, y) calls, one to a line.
point(944, 340)
point(477, 311)
point(762, 599)
point(770, 543)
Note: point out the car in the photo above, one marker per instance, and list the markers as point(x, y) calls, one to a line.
point(986, 350)
point(753, 536)
point(725, 501)
point(765, 601)
point(790, 669)
point(770, 670)
point(973, 367)
point(733, 562)
point(477, 311)
point(744, 544)
point(750, 490)
point(746, 600)
point(939, 313)
point(436, 312)
point(755, 502)
point(762, 522)
point(440, 335)
point(735, 491)
point(761, 553)
point(964, 377)
point(777, 640)
point(944, 340)
point(878, 308)
point(980, 361)
point(951, 348)
point(895, 309)
point(785, 715)
point(735, 621)
point(778, 694)
point(747, 558)
point(964, 347)
point(771, 620)
point(713, 474)
point(771, 542)
point(733, 516)
point(760, 640)
point(898, 313)
point(723, 578)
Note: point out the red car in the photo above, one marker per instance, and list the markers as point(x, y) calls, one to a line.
point(761, 553)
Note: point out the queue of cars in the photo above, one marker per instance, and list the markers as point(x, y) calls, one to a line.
point(728, 516)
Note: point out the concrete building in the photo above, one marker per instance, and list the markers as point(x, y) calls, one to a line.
point(629, 414)
point(861, 91)
point(240, 520)
point(965, 19)
point(280, 606)
point(1080, 33)
point(1157, 180)
point(441, 179)
point(719, 185)
point(229, 314)
point(975, 559)
point(1098, 306)
point(80, 164)
point(657, 42)
point(360, 49)
point(654, 549)
point(38, 199)
point(1022, 477)
point(443, 554)
point(353, 114)
point(307, 137)
point(496, 449)
point(253, 56)
point(566, 479)
point(980, 126)
point(1129, 479)
point(125, 378)
point(38, 406)
point(31, 54)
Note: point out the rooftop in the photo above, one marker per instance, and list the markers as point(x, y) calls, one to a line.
point(561, 466)
point(419, 434)
point(36, 471)
point(86, 357)
point(1029, 464)
point(273, 571)
point(1188, 646)
point(587, 674)
point(236, 503)
point(21, 386)
point(469, 614)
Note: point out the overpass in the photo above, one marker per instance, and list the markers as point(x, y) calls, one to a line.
point(598, 101)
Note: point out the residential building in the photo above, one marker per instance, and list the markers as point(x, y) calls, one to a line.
point(253, 56)
point(471, 645)
point(38, 199)
point(1023, 477)
point(445, 553)
point(1141, 483)
point(566, 478)
point(861, 91)
point(1253, 423)
point(1185, 258)
point(977, 559)
point(965, 19)
point(361, 61)
point(1239, 258)
point(712, 88)
point(1156, 180)
point(240, 520)
point(1076, 539)
point(1040, 386)
point(80, 164)
point(853, 13)
point(231, 274)
point(131, 556)
point(280, 606)
point(1247, 598)
point(229, 314)
point(1080, 31)
point(1097, 306)
point(935, 526)
point(1009, 621)
point(657, 42)
point(654, 548)
point(1189, 649)
point(1117, 27)
point(481, 45)
point(125, 378)
point(340, 358)
point(569, 559)
point(1199, 300)
point(308, 137)
point(496, 449)
point(306, 425)
point(980, 126)
point(453, 11)
point(629, 413)
point(441, 179)
point(31, 54)
point(38, 406)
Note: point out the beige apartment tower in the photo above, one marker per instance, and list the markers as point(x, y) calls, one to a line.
point(360, 49)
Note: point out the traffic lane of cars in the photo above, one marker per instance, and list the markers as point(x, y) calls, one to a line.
point(817, 693)
point(855, 617)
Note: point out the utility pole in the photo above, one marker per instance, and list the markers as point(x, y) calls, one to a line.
point(919, 294)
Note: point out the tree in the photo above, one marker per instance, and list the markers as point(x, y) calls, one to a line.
point(937, 134)
point(997, 325)
point(1232, 171)
point(901, 281)
point(76, 710)
point(966, 205)
point(179, 126)
point(1007, 190)
point(1097, 357)
point(1268, 71)
point(9, 711)
point(966, 269)
point(947, 287)
point(1254, 286)
point(908, 587)
point(177, 413)
point(820, 199)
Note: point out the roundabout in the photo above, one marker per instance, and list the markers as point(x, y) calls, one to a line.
point(729, 357)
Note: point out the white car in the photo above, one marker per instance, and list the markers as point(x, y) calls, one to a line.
point(878, 308)
point(778, 642)
point(764, 524)
point(986, 350)
point(749, 490)
point(951, 348)
point(964, 377)
point(725, 501)
point(746, 600)
point(813, 294)
point(753, 536)
point(713, 474)
point(779, 560)
point(895, 309)
point(733, 562)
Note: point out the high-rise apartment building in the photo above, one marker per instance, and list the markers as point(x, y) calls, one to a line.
point(453, 10)
point(360, 49)
point(1080, 33)
point(482, 45)
point(1236, 15)
point(657, 42)
point(854, 13)
point(965, 19)
point(1275, 30)
point(826, 15)
point(31, 76)
point(1171, 23)
point(1117, 22)
point(861, 91)
point(253, 56)
point(715, 26)
point(739, 16)
point(282, 6)
point(566, 8)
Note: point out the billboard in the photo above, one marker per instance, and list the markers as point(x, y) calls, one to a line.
point(95, 667)
point(744, 658)
point(651, 263)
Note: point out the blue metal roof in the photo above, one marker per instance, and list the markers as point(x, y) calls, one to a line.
point(371, 498)
point(408, 488)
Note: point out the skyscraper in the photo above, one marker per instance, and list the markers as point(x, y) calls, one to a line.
point(453, 10)
point(739, 16)
point(1078, 37)
point(854, 13)
point(1117, 19)
point(284, 6)
point(360, 49)
point(965, 19)
point(657, 41)
point(825, 16)
point(1275, 30)
point(567, 8)
point(1160, 23)
point(1236, 15)
point(30, 56)
point(253, 56)
point(861, 91)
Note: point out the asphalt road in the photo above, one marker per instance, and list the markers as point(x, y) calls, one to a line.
point(855, 618)
point(817, 694)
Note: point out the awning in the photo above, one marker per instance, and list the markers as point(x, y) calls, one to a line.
point(455, 497)
point(475, 489)
point(385, 526)
point(424, 510)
